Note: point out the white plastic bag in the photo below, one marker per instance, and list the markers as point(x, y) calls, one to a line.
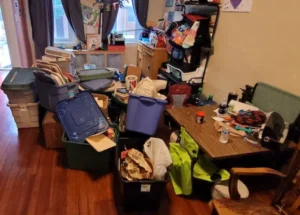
point(146, 87)
point(159, 154)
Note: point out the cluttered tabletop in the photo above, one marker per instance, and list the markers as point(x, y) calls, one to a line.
point(208, 138)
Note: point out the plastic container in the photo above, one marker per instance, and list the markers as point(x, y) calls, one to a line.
point(93, 74)
point(224, 137)
point(83, 156)
point(145, 195)
point(50, 94)
point(19, 86)
point(81, 117)
point(143, 114)
point(200, 117)
point(25, 115)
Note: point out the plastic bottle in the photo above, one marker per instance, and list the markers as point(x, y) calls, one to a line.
point(224, 134)
point(210, 100)
point(198, 97)
point(223, 106)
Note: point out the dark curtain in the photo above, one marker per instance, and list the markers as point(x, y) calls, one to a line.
point(141, 11)
point(73, 12)
point(41, 16)
point(109, 19)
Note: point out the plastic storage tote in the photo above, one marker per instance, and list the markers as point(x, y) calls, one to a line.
point(93, 74)
point(81, 117)
point(144, 195)
point(25, 115)
point(83, 156)
point(19, 86)
point(143, 114)
point(50, 94)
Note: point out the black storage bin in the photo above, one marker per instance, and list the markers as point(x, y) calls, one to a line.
point(83, 156)
point(202, 189)
point(50, 94)
point(145, 195)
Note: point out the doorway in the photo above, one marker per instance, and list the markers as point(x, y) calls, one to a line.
point(5, 62)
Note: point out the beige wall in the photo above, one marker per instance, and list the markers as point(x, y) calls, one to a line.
point(259, 46)
point(155, 11)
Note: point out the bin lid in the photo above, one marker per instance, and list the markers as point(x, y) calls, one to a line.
point(81, 117)
point(19, 79)
point(92, 74)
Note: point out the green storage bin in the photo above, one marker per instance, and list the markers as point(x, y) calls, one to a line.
point(93, 74)
point(19, 86)
point(83, 156)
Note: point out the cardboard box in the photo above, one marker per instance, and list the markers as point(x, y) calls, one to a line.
point(102, 101)
point(133, 70)
point(53, 131)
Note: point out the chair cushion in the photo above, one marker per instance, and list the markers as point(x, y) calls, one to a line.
point(243, 207)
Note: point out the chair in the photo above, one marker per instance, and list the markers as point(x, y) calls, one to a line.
point(236, 206)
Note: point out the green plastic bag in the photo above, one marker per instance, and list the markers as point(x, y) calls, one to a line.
point(187, 142)
point(181, 174)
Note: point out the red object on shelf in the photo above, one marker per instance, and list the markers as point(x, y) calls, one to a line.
point(116, 48)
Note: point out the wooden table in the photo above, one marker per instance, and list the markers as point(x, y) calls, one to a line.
point(208, 138)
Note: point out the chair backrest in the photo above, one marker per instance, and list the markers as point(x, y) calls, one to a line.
point(269, 98)
point(179, 94)
point(292, 171)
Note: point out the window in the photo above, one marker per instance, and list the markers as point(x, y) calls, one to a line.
point(127, 23)
point(4, 51)
point(63, 32)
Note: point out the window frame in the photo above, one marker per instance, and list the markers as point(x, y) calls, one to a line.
point(138, 26)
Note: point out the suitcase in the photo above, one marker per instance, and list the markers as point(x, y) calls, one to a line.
point(19, 86)
point(53, 131)
point(93, 74)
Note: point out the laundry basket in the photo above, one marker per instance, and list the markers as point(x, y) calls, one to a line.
point(143, 114)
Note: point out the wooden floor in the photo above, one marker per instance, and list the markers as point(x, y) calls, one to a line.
point(35, 181)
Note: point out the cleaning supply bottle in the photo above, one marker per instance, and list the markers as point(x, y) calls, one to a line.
point(224, 134)
point(210, 100)
point(198, 97)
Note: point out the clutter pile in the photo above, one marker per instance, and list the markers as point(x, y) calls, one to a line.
point(152, 164)
point(143, 170)
point(135, 166)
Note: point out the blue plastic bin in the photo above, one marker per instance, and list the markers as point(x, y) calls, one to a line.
point(143, 114)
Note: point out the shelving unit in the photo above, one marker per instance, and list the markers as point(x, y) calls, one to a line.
point(114, 59)
point(206, 9)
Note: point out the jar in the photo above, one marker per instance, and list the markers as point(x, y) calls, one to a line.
point(200, 117)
